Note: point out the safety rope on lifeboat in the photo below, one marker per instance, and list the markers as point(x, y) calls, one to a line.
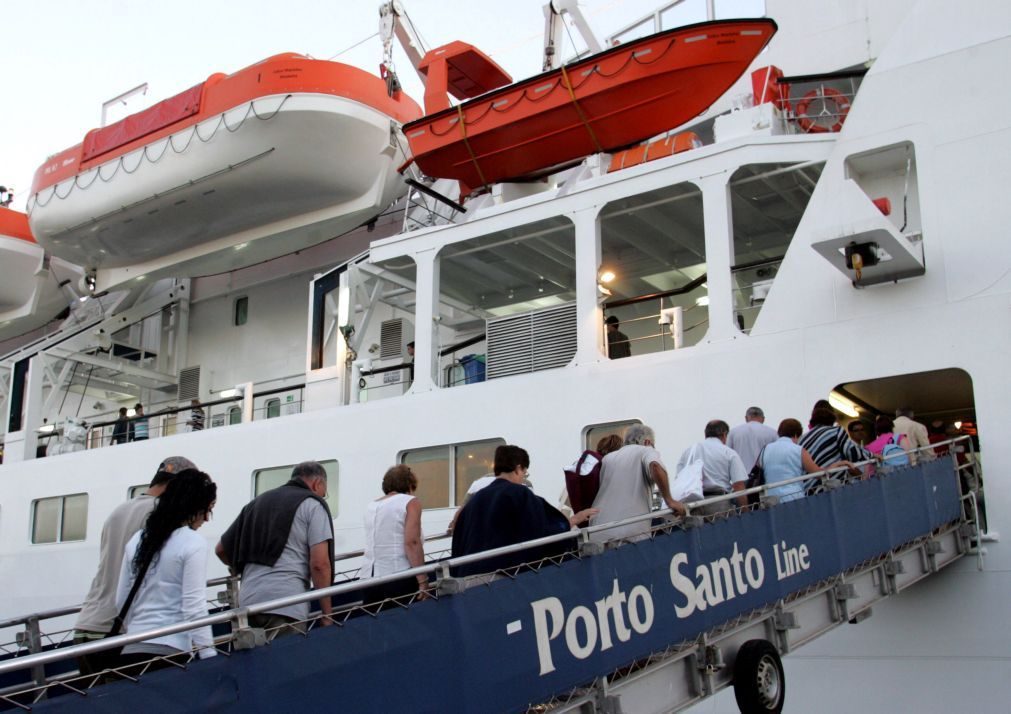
point(579, 111)
point(466, 143)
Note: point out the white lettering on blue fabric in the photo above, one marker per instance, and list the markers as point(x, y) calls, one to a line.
point(588, 630)
point(716, 582)
point(790, 561)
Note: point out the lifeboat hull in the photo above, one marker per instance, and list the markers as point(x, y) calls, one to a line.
point(30, 294)
point(264, 178)
point(605, 102)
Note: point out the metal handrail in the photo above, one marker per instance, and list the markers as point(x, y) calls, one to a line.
point(442, 567)
point(212, 583)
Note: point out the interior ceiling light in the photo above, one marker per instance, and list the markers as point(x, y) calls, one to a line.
point(606, 275)
point(842, 404)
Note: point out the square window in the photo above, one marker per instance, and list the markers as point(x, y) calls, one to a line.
point(60, 519)
point(272, 477)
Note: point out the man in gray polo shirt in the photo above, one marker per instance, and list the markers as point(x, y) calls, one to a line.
point(748, 439)
point(99, 608)
point(282, 544)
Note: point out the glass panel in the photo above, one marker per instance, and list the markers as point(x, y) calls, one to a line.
point(241, 311)
point(273, 408)
point(473, 461)
point(654, 244)
point(75, 517)
point(234, 415)
point(431, 466)
point(46, 520)
point(266, 479)
point(138, 490)
point(767, 202)
point(598, 431)
point(520, 269)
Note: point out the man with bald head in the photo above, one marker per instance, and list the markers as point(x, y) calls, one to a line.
point(99, 608)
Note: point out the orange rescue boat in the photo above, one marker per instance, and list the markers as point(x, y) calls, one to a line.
point(605, 102)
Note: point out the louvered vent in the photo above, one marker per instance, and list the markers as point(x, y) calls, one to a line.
point(189, 383)
point(391, 339)
point(519, 344)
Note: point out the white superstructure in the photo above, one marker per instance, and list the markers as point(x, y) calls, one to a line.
point(735, 244)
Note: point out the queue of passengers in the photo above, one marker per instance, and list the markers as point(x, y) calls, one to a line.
point(153, 566)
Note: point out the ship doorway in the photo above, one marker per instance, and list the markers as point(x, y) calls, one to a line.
point(942, 400)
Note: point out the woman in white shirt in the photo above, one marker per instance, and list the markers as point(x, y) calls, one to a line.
point(174, 587)
point(393, 539)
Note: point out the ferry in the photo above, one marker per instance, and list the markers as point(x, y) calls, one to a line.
point(833, 229)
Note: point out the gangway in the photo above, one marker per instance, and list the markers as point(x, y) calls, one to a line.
point(653, 625)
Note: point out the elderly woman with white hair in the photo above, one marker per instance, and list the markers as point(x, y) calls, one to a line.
point(627, 477)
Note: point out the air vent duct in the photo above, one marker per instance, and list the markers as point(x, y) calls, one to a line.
point(531, 342)
point(189, 384)
point(393, 338)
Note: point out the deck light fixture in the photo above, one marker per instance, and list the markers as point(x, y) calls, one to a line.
point(842, 404)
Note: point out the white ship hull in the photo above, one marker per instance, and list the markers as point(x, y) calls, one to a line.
point(939, 647)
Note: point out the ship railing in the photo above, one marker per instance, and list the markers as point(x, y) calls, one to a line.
point(457, 369)
point(819, 103)
point(582, 544)
point(32, 639)
point(217, 413)
point(657, 330)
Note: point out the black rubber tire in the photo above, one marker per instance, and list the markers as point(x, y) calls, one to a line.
point(759, 681)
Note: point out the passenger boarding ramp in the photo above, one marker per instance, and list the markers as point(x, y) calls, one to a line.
point(649, 626)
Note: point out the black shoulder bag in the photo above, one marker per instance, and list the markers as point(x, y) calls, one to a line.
point(756, 478)
point(110, 658)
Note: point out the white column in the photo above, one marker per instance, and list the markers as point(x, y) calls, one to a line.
point(589, 323)
point(719, 257)
point(426, 315)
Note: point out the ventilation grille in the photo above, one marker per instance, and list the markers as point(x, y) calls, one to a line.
point(189, 383)
point(391, 339)
point(520, 344)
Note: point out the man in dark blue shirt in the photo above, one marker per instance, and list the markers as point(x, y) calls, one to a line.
point(507, 512)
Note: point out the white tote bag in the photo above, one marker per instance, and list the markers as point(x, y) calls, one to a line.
point(687, 485)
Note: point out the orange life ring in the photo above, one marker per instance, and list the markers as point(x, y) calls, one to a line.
point(810, 124)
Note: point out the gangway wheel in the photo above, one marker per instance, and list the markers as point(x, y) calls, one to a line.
point(759, 682)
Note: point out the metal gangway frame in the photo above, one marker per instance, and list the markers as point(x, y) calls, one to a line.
point(665, 679)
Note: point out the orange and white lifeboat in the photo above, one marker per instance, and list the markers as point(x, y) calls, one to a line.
point(30, 294)
point(241, 168)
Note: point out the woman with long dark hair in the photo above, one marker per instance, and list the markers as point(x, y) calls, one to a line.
point(171, 560)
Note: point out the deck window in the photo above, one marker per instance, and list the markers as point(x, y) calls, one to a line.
point(654, 244)
point(767, 202)
point(273, 408)
point(60, 519)
point(512, 298)
point(446, 472)
point(273, 476)
point(594, 433)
